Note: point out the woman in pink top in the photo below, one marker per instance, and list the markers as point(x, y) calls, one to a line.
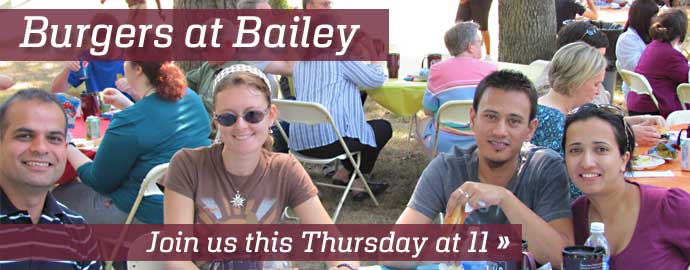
point(646, 226)
point(663, 65)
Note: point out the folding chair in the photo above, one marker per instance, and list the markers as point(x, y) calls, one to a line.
point(148, 187)
point(456, 111)
point(638, 84)
point(683, 92)
point(539, 64)
point(311, 113)
point(136, 248)
point(678, 117)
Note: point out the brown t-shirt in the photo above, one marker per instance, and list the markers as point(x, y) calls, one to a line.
point(278, 181)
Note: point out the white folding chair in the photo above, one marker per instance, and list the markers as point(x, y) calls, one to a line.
point(148, 187)
point(311, 113)
point(678, 117)
point(456, 111)
point(138, 246)
point(539, 64)
point(638, 84)
point(683, 92)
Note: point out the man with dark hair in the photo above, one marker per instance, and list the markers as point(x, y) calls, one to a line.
point(509, 182)
point(33, 154)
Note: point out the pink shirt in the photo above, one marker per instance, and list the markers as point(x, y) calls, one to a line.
point(665, 68)
point(661, 239)
point(458, 71)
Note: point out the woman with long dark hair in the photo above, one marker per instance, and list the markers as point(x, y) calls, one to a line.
point(646, 226)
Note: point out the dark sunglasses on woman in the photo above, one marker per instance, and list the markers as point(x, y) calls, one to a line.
point(228, 119)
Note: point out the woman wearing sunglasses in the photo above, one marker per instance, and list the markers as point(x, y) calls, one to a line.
point(646, 227)
point(575, 75)
point(239, 181)
point(166, 117)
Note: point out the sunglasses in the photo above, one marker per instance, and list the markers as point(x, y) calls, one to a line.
point(612, 109)
point(228, 119)
point(591, 31)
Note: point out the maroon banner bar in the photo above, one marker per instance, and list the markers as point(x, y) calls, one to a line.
point(263, 242)
point(150, 35)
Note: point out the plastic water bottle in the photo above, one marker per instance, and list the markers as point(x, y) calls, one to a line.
point(597, 239)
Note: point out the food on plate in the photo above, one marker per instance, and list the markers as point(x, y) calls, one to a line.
point(644, 162)
point(664, 132)
point(664, 151)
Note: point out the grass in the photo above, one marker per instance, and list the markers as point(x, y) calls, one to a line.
point(400, 163)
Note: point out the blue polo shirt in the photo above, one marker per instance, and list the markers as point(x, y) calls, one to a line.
point(101, 74)
point(74, 241)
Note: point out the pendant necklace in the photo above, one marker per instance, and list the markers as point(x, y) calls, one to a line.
point(237, 201)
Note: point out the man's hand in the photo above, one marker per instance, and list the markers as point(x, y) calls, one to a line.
point(646, 135)
point(478, 195)
point(73, 66)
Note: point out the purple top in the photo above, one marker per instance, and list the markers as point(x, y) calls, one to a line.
point(662, 236)
point(665, 68)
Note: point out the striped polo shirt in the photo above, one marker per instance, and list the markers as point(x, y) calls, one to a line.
point(67, 241)
point(335, 85)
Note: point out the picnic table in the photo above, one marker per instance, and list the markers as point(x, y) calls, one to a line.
point(79, 133)
point(403, 98)
point(680, 179)
point(619, 16)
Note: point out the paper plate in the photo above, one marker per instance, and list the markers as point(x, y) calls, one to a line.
point(646, 162)
point(84, 144)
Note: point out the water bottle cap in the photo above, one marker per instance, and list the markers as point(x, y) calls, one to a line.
point(596, 227)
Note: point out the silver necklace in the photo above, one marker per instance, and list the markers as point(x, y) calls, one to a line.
point(237, 200)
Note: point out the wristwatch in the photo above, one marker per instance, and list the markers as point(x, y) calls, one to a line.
point(349, 266)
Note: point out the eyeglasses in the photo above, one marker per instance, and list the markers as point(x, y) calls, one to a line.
point(228, 119)
point(591, 31)
point(612, 110)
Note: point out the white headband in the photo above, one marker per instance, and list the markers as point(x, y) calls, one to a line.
point(240, 67)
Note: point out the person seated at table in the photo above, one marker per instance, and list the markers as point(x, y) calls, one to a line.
point(587, 33)
point(335, 85)
point(33, 149)
point(569, 9)
point(99, 72)
point(664, 66)
point(646, 226)
point(166, 117)
point(451, 79)
point(575, 73)
point(634, 40)
point(257, 183)
point(520, 185)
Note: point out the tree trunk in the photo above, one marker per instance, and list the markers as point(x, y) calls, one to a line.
point(527, 30)
point(205, 4)
point(201, 4)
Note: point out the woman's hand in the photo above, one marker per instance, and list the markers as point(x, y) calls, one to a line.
point(116, 98)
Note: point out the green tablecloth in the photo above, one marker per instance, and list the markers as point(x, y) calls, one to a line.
point(400, 97)
point(405, 98)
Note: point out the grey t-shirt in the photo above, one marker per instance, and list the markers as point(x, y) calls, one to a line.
point(541, 183)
